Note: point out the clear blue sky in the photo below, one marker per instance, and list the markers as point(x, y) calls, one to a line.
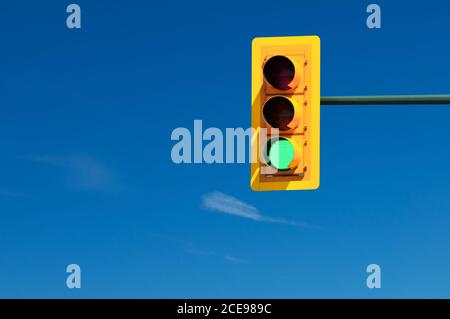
point(86, 175)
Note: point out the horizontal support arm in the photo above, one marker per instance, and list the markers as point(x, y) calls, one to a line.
point(386, 99)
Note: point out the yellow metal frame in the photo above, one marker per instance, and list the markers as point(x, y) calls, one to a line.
point(308, 48)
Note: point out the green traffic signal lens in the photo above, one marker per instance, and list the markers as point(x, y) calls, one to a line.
point(281, 154)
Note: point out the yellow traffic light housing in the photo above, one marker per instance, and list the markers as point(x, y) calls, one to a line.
point(285, 113)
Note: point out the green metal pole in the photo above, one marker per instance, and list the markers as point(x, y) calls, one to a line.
point(386, 99)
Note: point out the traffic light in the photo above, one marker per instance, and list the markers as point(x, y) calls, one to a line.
point(285, 143)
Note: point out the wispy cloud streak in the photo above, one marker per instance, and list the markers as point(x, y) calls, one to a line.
point(235, 260)
point(222, 203)
point(83, 172)
point(7, 193)
point(228, 258)
point(190, 248)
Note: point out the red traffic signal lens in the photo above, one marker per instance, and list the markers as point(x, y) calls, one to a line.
point(279, 72)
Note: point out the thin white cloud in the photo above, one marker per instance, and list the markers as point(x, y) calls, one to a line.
point(199, 252)
point(235, 260)
point(211, 253)
point(7, 193)
point(222, 203)
point(83, 172)
point(190, 248)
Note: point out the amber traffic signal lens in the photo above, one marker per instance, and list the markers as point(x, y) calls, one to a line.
point(279, 112)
